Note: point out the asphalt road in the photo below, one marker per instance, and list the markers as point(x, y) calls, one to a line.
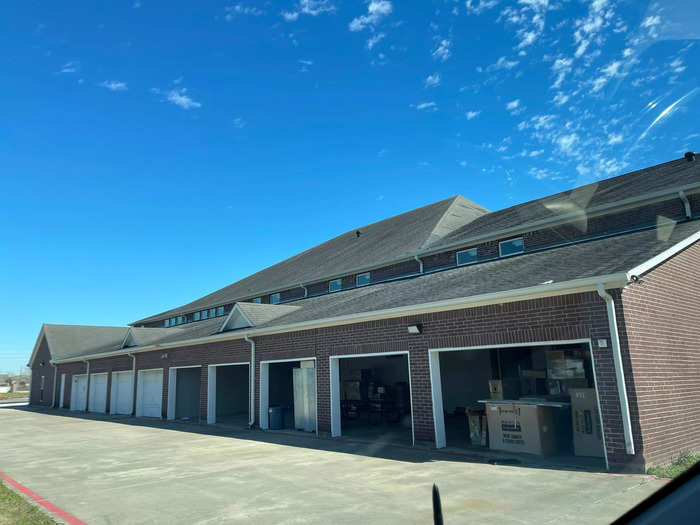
point(106, 470)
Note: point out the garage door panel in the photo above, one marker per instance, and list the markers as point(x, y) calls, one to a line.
point(78, 395)
point(98, 393)
point(150, 393)
point(122, 392)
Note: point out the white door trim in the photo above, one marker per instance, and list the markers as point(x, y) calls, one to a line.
point(172, 388)
point(336, 428)
point(139, 390)
point(63, 390)
point(263, 420)
point(211, 390)
point(436, 382)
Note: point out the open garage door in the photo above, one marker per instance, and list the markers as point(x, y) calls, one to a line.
point(98, 393)
point(149, 393)
point(288, 395)
point(371, 397)
point(78, 392)
point(122, 393)
point(184, 387)
point(228, 394)
point(535, 399)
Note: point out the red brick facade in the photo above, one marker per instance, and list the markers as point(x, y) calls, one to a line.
point(39, 370)
point(661, 323)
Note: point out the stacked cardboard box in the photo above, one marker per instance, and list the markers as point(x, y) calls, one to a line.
point(588, 436)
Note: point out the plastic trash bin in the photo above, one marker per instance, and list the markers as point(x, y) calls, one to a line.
point(276, 415)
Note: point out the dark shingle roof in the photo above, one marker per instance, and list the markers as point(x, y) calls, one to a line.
point(259, 314)
point(380, 242)
point(67, 341)
point(665, 176)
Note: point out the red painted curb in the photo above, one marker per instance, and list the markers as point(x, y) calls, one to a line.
point(65, 516)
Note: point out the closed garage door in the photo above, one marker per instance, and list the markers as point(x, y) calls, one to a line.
point(122, 392)
point(149, 399)
point(78, 393)
point(98, 393)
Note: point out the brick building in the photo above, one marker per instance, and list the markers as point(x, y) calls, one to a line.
point(396, 329)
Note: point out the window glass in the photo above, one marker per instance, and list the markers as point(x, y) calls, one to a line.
point(220, 310)
point(511, 246)
point(205, 314)
point(179, 319)
point(196, 316)
point(257, 300)
point(335, 285)
point(166, 323)
point(362, 279)
point(466, 256)
point(212, 312)
point(275, 298)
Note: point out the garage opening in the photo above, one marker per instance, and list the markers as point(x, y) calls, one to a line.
point(228, 394)
point(78, 392)
point(288, 395)
point(536, 400)
point(149, 393)
point(184, 386)
point(122, 392)
point(371, 398)
point(98, 393)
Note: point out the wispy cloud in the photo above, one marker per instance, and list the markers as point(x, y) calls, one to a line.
point(308, 7)
point(114, 85)
point(425, 106)
point(613, 69)
point(69, 67)
point(179, 97)
point(614, 138)
point(529, 20)
point(514, 107)
point(472, 114)
point(239, 123)
point(376, 11)
point(474, 8)
point(374, 40)
point(442, 52)
point(240, 9)
point(502, 63)
point(590, 28)
point(305, 65)
point(432, 80)
point(290, 16)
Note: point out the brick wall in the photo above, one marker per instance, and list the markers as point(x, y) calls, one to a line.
point(70, 369)
point(661, 320)
point(39, 370)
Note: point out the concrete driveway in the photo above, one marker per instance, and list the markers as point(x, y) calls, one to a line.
point(106, 470)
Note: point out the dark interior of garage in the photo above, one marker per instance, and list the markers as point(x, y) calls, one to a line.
point(533, 400)
point(375, 398)
point(187, 392)
point(232, 386)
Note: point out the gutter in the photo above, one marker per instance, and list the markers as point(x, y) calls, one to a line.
point(251, 422)
point(619, 372)
point(306, 290)
point(133, 383)
point(638, 270)
point(420, 263)
point(686, 204)
point(587, 284)
point(521, 228)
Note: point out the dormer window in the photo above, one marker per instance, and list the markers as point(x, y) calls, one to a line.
point(196, 316)
point(219, 311)
point(335, 285)
point(466, 256)
point(212, 312)
point(205, 314)
point(179, 319)
point(274, 298)
point(511, 247)
point(362, 279)
point(166, 323)
point(257, 300)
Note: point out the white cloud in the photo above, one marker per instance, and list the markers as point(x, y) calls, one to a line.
point(614, 138)
point(239, 123)
point(566, 143)
point(613, 69)
point(677, 66)
point(502, 63)
point(529, 17)
point(561, 67)
point(179, 97)
point(114, 85)
point(561, 98)
point(69, 67)
point(376, 11)
point(442, 52)
point(425, 106)
point(305, 65)
point(589, 28)
point(483, 5)
point(240, 9)
point(515, 107)
point(432, 80)
point(374, 40)
point(472, 114)
point(292, 16)
point(308, 7)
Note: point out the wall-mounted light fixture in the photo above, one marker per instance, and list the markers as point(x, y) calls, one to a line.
point(415, 329)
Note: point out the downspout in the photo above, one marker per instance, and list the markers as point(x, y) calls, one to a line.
point(251, 423)
point(686, 204)
point(55, 374)
point(133, 383)
point(619, 372)
point(306, 290)
point(87, 393)
point(419, 262)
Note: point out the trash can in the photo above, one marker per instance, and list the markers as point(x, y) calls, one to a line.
point(276, 415)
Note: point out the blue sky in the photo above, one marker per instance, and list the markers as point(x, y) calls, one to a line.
point(153, 152)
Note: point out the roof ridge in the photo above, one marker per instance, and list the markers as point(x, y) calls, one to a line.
point(456, 200)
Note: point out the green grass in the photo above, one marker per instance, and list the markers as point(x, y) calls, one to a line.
point(15, 510)
point(14, 395)
point(683, 462)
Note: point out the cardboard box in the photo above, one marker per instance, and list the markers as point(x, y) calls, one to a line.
point(561, 367)
point(588, 436)
point(515, 427)
point(504, 388)
point(475, 424)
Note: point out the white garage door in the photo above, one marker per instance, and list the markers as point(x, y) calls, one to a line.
point(98, 393)
point(149, 398)
point(122, 392)
point(78, 393)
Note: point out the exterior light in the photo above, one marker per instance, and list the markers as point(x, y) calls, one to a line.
point(415, 329)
